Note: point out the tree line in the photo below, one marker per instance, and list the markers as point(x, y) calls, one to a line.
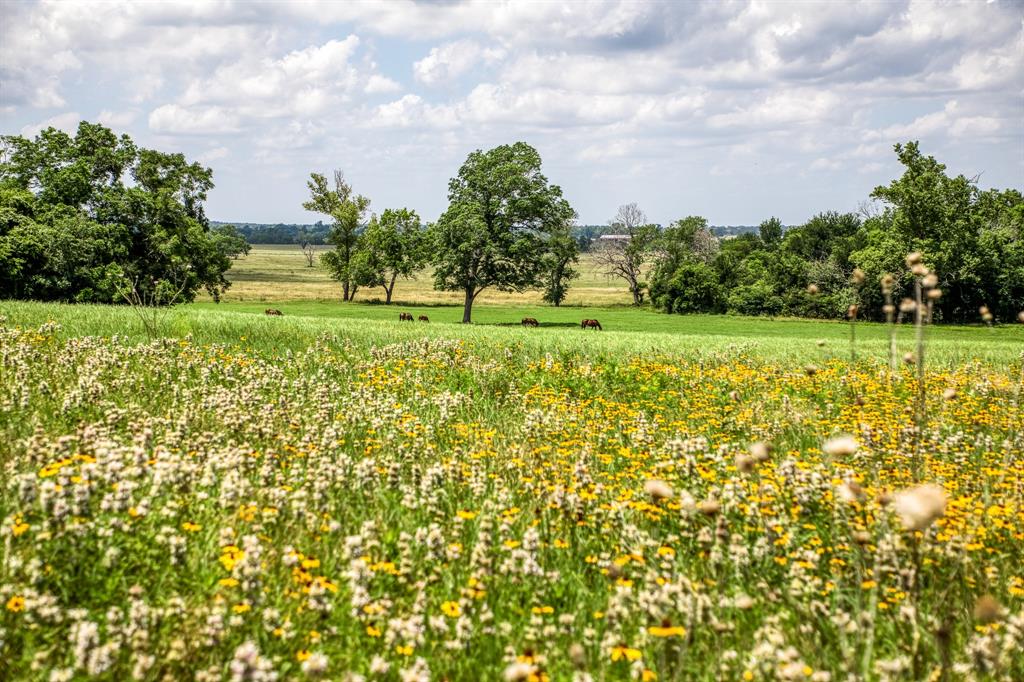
point(972, 239)
point(94, 218)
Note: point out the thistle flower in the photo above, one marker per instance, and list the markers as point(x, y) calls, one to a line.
point(840, 446)
point(920, 506)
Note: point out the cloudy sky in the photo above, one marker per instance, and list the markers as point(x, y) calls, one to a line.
point(731, 110)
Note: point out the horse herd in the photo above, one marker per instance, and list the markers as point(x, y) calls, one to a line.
point(527, 321)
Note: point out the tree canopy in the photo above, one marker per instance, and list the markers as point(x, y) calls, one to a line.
point(83, 217)
point(972, 239)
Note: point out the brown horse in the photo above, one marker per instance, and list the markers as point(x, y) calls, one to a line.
point(590, 324)
point(424, 318)
point(272, 311)
point(530, 322)
point(405, 317)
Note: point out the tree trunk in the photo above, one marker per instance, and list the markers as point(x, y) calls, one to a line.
point(344, 290)
point(388, 290)
point(467, 309)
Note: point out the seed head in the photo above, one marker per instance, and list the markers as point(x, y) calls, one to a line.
point(888, 282)
point(909, 358)
point(930, 281)
point(744, 463)
point(812, 289)
point(888, 308)
point(987, 610)
point(577, 655)
point(949, 393)
point(907, 305)
point(519, 671)
point(710, 506)
point(1020, 316)
point(920, 506)
point(760, 451)
point(934, 294)
point(658, 490)
point(913, 258)
point(858, 276)
point(811, 370)
point(840, 446)
point(919, 270)
point(851, 312)
point(861, 537)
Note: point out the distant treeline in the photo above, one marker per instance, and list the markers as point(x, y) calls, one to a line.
point(316, 233)
point(280, 233)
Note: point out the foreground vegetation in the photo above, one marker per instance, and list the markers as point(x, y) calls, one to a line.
point(257, 498)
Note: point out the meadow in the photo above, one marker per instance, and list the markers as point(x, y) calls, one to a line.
point(334, 494)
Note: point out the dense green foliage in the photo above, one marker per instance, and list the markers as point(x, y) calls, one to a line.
point(392, 246)
point(501, 215)
point(94, 218)
point(973, 240)
point(230, 240)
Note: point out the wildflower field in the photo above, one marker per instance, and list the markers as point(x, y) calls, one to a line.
point(254, 499)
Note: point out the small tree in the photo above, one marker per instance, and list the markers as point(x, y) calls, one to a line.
point(771, 232)
point(625, 254)
point(501, 209)
point(347, 210)
point(562, 252)
point(392, 247)
point(308, 246)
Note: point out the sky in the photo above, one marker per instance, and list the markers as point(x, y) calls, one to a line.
point(733, 110)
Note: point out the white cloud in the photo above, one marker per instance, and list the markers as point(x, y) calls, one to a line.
point(68, 122)
point(117, 119)
point(213, 154)
point(447, 62)
point(206, 120)
point(378, 84)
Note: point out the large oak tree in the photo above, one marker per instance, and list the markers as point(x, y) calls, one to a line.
point(502, 211)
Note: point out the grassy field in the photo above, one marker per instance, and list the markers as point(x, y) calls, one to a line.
point(276, 272)
point(332, 494)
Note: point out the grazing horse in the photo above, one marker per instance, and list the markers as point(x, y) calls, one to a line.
point(530, 322)
point(423, 318)
point(592, 324)
point(272, 311)
point(405, 317)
